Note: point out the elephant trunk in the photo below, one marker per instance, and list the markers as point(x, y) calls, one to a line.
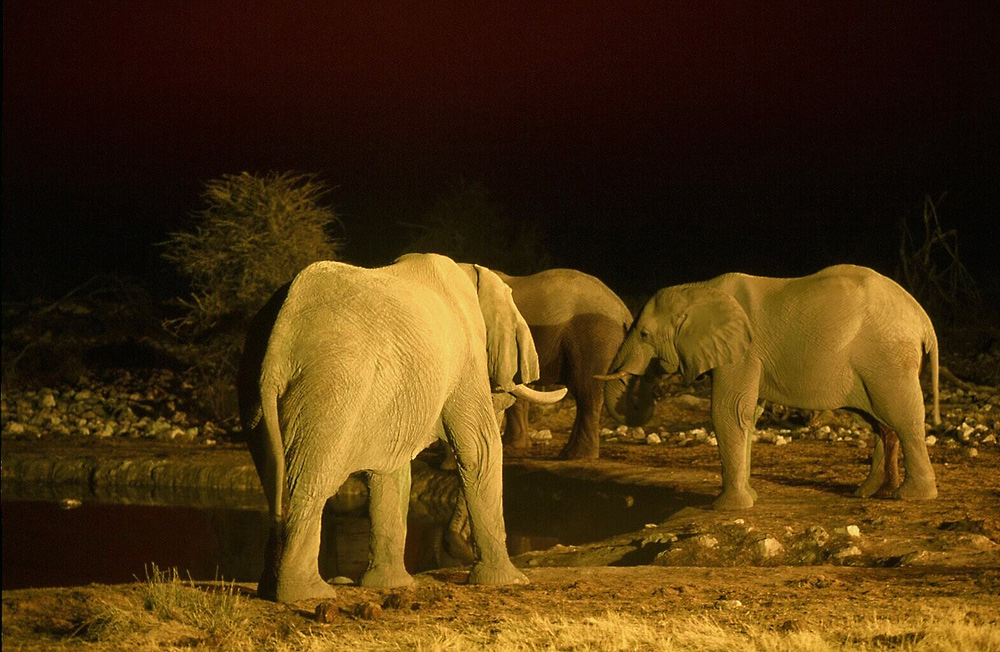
point(628, 388)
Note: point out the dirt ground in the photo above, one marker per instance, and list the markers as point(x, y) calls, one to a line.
point(808, 554)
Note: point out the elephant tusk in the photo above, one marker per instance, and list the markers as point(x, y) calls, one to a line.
point(621, 375)
point(535, 396)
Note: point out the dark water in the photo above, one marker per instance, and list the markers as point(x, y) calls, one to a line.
point(44, 545)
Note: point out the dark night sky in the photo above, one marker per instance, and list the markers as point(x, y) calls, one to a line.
point(654, 144)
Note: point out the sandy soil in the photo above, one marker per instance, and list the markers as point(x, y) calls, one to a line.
point(807, 553)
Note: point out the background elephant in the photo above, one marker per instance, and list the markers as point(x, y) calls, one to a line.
point(350, 369)
point(845, 336)
point(577, 324)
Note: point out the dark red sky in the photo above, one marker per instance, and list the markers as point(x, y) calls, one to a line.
point(115, 113)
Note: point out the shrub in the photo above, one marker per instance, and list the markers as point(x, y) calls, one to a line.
point(468, 226)
point(253, 235)
point(931, 270)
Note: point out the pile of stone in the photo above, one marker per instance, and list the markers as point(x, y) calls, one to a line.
point(970, 420)
point(736, 542)
point(124, 406)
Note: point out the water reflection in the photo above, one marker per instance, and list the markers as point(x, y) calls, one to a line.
point(109, 542)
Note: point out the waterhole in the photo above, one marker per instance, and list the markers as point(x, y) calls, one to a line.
point(105, 540)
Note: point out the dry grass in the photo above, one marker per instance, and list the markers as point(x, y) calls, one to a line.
point(176, 616)
point(167, 608)
point(945, 632)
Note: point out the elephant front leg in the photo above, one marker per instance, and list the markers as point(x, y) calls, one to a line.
point(734, 408)
point(883, 477)
point(388, 501)
point(515, 435)
point(473, 432)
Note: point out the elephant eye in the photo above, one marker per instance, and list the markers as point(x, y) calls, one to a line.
point(644, 334)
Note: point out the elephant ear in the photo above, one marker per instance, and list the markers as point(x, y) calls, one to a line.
point(714, 331)
point(510, 351)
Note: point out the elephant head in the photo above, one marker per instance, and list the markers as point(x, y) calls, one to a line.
point(688, 329)
point(511, 359)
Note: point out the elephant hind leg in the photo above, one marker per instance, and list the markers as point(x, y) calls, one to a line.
point(890, 463)
point(267, 586)
point(900, 407)
point(883, 477)
point(388, 501)
point(298, 576)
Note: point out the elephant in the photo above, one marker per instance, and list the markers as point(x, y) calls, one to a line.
point(844, 337)
point(351, 369)
point(577, 324)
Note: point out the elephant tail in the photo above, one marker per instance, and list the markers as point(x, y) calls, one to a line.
point(931, 349)
point(273, 467)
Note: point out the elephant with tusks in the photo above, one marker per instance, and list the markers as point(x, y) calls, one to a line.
point(844, 337)
point(350, 369)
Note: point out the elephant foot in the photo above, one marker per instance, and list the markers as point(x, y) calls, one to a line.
point(504, 573)
point(916, 490)
point(458, 547)
point(386, 577)
point(574, 451)
point(295, 590)
point(733, 500)
point(868, 488)
point(752, 492)
point(888, 490)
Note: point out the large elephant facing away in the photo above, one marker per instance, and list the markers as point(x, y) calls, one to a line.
point(577, 324)
point(350, 369)
point(844, 337)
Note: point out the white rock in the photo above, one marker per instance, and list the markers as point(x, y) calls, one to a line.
point(850, 551)
point(107, 431)
point(48, 401)
point(607, 432)
point(781, 441)
point(930, 440)
point(653, 439)
point(638, 433)
point(15, 428)
point(728, 604)
point(712, 441)
point(69, 503)
point(852, 531)
point(540, 435)
point(768, 547)
point(818, 534)
point(706, 541)
point(972, 452)
point(990, 439)
point(621, 430)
